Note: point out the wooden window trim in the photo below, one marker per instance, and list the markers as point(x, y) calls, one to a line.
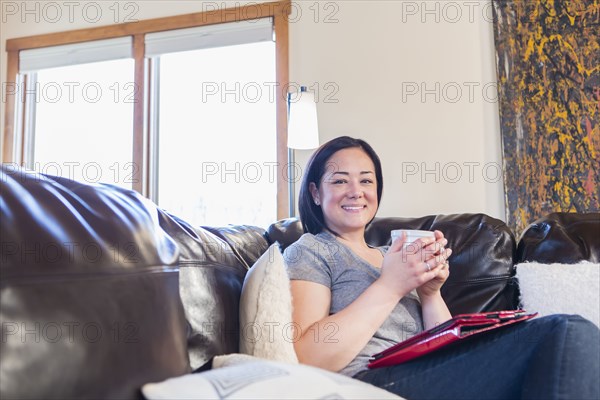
point(278, 10)
point(11, 94)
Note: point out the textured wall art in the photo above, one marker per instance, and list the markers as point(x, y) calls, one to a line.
point(548, 64)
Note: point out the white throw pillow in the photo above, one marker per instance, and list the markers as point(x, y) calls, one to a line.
point(561, 289)
point(266, 328)
point(261, 379)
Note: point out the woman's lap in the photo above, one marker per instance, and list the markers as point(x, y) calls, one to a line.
point(550, 357)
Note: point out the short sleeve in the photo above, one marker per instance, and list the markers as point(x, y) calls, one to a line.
point(308, 260)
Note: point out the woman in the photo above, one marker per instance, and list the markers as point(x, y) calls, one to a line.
point(352, 300)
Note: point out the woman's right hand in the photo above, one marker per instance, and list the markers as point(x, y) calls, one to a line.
point(404, 269)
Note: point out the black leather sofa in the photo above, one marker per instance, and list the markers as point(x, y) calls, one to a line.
point(101, 291)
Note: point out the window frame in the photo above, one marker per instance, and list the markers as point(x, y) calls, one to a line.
point(144, 151)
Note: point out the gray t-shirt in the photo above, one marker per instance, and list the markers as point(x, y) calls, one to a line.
point(322, 259)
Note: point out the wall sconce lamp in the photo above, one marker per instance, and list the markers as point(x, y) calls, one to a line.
point(303, 133)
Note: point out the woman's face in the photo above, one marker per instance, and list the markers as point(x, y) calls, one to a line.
point(348, 191)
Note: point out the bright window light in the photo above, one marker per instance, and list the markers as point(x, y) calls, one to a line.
point(217, 135)
point(84, 122)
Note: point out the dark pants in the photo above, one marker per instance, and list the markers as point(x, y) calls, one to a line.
point(554, 357)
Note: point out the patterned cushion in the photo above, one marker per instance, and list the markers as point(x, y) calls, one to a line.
point(251, 378)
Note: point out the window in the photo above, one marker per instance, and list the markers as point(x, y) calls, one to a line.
point(188, 110)
point(216, 122)
point(219, 103)
point(84, 122)
point(79, 104)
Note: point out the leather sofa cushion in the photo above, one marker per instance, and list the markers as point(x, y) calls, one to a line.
point(89, 291)
point(566, 238)
point(247, 242)
point(481, 265)
point(482, 272)
point(213, 264)
point(210, 284)
point(285, 232)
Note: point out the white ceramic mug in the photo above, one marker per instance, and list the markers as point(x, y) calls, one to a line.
point(411, 235)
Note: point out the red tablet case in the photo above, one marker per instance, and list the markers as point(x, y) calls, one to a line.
point(458, 328)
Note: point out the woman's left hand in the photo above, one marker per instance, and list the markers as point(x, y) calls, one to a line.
point(435, 257)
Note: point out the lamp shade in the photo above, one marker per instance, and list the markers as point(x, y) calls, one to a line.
point(303, 129)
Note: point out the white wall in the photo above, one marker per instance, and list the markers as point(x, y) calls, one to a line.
point(415, 79)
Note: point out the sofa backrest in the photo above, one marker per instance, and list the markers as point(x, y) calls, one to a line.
point(211, 275)
point(89, 291)
point(246, 241)
point(213, 262)
point(481, 265)
point(566, 238)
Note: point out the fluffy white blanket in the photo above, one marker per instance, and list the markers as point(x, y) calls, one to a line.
point(561, 289)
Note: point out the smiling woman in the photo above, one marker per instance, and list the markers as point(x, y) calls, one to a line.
point(374, 298)
point(339, 197)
